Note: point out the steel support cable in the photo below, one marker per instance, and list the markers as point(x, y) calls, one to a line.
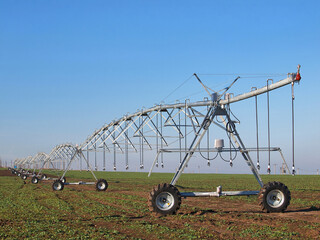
point(245, 74)
point(184, 82)
point(175, 141)
point(195, 93)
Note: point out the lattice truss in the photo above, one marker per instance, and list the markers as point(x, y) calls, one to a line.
point(163, 127)
point(170, 128)
point(62, 153)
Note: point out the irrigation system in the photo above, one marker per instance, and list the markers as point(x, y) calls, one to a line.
point(181, 129)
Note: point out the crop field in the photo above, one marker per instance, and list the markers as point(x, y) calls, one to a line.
point(35, 211)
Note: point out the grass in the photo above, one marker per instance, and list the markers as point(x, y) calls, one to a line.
point(29, 211)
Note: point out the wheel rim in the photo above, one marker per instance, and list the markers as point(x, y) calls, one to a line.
point(101, 185)
point(165, 201)
point(275, 198)
point(57, 186)
point(34, 180)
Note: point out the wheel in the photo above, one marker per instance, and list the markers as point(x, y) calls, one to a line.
point(101, 185)
point(34, 180)
point(24, 177)
point(12, 171)
point(164, 199)
point(57, 185)
point(63, 180)
point(43, 176)
point(274, 197)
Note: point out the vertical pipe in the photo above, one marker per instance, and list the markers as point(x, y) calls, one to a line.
point(104, 156)
point(208, 143)
point(140, 137)
point(257, 132)
point(268, 107)
point(180, 137)
point(95, 155)
point(292, 116)
point(126, 147)
point(87, 158)
point(161, 142)
point(185, 128)
point(114, 153)
point(229, 136)
point(157, 138)
point(142, 140)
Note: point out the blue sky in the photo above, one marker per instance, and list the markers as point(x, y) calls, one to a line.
point(68, 67)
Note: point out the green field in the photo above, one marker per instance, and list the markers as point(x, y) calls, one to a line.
point(29, 211)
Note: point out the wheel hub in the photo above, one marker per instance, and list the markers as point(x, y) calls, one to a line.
point(165, 201)
point(101, 185)
point(275, 198)
point(57, 186)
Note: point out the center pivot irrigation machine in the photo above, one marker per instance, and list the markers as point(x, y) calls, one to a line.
point(184, 129)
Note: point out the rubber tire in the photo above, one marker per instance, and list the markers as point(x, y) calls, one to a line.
point(267, 188)
point(162, 188)
point(35, 180)
point(105, 185)
point(24, 176)
point(55, 185)
point(43, 176)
